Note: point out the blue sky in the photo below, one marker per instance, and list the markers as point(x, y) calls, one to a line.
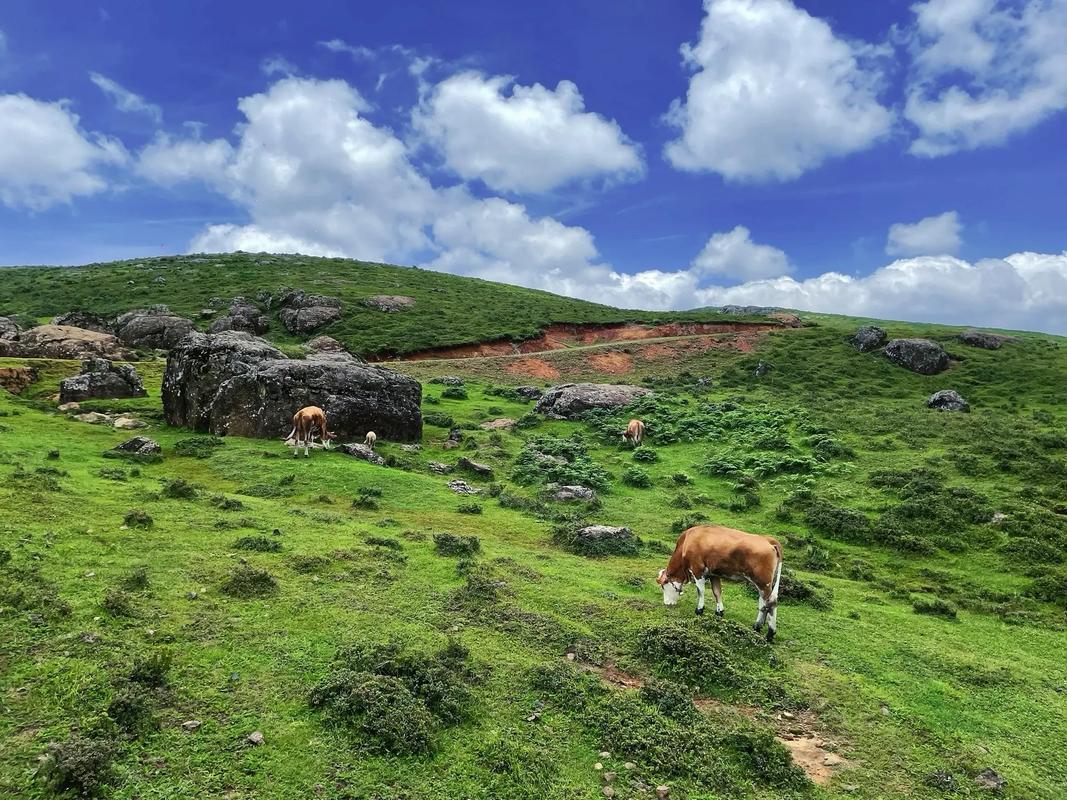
point(900, 159)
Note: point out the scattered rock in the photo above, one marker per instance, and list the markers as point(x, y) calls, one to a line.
point(9, 329)
point(65, 342)
point(303, 313)
point(990, 779)
point(154, 329)
point(943, 780)
point(663, 792)
point(609, 777)
point(100, 379)
point(987, 341)
point(947, 400)
point(998, 518)
point(447, 380)
point(475, 467)
point(138, 445)
point(528, 392)
point(192, 725)
point(411, 448)
point(129, 424)
point(462, 487)
point(918, 355)
point(93, 418)
point(571, 400)
point(85, 320)
point(17, 379)
point(243, 316)
point(868, 338)
point(255, 738)
point(599, 533)
point(762, 368)
point(389, 302)
point(501, 424)
point(362, 451)
point(566, 493)
point(438, 467)
point(68, 407)
point(236, 384)
point(629, 765)
point(608, 791)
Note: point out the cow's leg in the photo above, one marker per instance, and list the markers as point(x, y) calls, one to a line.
point(761, 613)
point(716, 590)
point(772, 623)
point(700, 595)
point(296, 445)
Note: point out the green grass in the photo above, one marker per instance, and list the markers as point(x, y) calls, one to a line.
point(122, 633)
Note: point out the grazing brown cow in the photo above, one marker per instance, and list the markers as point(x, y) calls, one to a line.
point(712, 551)
point(635, 432)
point(304, 422)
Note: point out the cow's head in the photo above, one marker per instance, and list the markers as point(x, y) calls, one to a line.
point(327, 438)
point(672, 589)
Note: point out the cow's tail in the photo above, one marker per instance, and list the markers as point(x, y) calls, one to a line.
point(292, 433)
point(777, 573)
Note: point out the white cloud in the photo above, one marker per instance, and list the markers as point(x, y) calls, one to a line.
point(734, 255)
point(341, 46)
point(984, 71)
point(168, 161)
point(522, 138)
point(774, 94)
point(277, 65)
point(1026, 291)
point(938, 235)
point(253, 239)
point(46, 158)
point(124, 99)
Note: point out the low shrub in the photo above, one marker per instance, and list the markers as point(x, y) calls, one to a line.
point(79, 765)
point(307, 563)
point(227, 503)
point(568, 536)
point(117, 603)
point(645, 455)
point(131, 708)
point(682, 500)
point(386, 542)
point(454, 393)
point(260, 544)
point(137, 580)
point(469, 508)
point(688, 521)
point(137, 518)
point(245, 581)
point(548, 459)
point(112, 474)
point(367, 500)
point(178, 489)
point(151, 670)
point(681, 479)
point(451, 544)
point(438, 420)
point(675, 700)
point(637, 478)
point(198, 446)
point(934, 606)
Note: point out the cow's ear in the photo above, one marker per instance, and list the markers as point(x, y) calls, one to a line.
point(662, 579)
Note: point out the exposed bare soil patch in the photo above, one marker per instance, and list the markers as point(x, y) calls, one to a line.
point(612, 363)
point(532, 368)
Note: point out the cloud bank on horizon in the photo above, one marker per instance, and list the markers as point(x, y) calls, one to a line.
point(773, 93)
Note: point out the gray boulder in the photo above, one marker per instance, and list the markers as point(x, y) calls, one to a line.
point(9, 329)
point(85, 320)
point(868, 338)
point(571, 400)
point(243, 316)
point(363, 452)
point(152, 329)
point(462, 487)
point(947, 400)
point(987, 341)
point(598, 535)
point(389, 302)
point(566, 493)
point(138, 446)
point(303, 312)
point(329, 349)
point(100, 379)
point(918, 355)
point(236, 384)
point(65, 342)
point(473, 466)
point(529, 392)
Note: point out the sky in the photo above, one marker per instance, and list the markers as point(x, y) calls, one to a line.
point(894, 159)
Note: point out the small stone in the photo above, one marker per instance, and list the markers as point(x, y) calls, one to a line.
point(192, 595)
point(990, 779)
point(192, 724)
point(533, 717)
point(885, 711)
point(605, 754)
point(629, 765)
point(598, 766)
point(90, 574)
point(570, 656)
point(832, 760)
point(608, 791)
point(609, 777)
point(255, 738)
point(788, 715)
point(662, 792)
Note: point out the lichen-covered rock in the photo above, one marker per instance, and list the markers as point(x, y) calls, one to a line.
point(529, 392)
point(389, 302)
point(918, 355)
point(129, 423)
point(329, 349)
point(987, 341)
point(243, 316)
point(236, 384)
point(501, 424)
point(303, 312)
point(9, 329)
point(473, 466)
point(566, 493)
point(138, 445)
point(153, 329)
point(462, 487)
point(100, 379)
point(85, 320)
point(868, 338)
point(947, 400)
point(571, 400)
point(65, 342)
point(363, 452)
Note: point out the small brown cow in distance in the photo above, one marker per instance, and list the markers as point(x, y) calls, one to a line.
point(716, 552)
point(305, 421)
point(635, 432)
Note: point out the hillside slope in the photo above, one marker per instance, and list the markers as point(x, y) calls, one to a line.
point(448, 310)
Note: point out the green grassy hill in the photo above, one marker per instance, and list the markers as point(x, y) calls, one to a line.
point(392, 639)
point(448, 310)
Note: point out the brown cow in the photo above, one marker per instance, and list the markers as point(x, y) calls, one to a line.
point(304, 422)
point(712, 551)
point(635, 432)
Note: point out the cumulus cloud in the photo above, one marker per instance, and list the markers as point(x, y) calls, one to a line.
point(168, 161)
point(277, 65)
point(936, 235)
point(46, 158)
point(521, 138)
point(984, 71)
point(734, 255)
point(774, 94)
point(1026, 291)
point(124, 99)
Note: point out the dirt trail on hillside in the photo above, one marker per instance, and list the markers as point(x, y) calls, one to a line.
point(798, 732)
point(568, 336)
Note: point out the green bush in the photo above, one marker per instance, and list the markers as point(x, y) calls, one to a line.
point(636, 477)
point(260, 544)
point(547, 459)
point(198, 446)
point(454, 393)
point(934, 606)
point(131, 709)
point(386, 542)
point(245, 581)
point(178, 489)
point(681, 479)
point(645, 455)
point(451, 544)
point(438, 420)
point(469, 508)
point(137, 518)
point(79, 765)
point(151, 670)
point(137, 580)
point(675, 700)
point(117, 603)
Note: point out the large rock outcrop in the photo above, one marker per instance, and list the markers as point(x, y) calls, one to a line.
point(868, 338)
point(236, 384)
point(918, 355)
point(571, 400)
point(84, 319)
point(66, 342)
point(156, 328)
point(985, 340)
point(303, 312)
point(243, 315)
point(100, 379)
point(9, 329)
